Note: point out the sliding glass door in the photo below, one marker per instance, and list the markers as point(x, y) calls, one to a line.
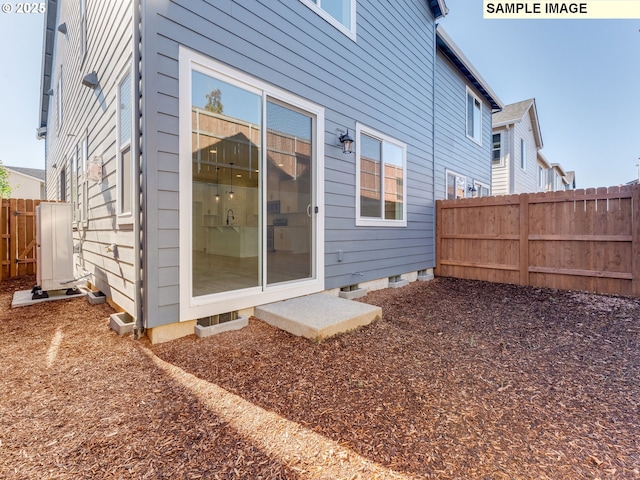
point(253, 184)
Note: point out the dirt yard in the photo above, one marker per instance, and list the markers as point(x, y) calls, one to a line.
point(459, 380)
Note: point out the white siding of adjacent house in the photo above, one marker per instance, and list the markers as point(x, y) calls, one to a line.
point(91, 115)
point(526, 180)
point(500, 178)
point(25, 186)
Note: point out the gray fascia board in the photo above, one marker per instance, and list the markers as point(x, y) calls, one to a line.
point(471, 73)
point(48, 40)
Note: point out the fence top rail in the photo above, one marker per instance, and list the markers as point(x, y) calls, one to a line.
point(603, 193)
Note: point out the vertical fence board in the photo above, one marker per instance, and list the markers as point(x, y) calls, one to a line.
point(579, 240)
point(18, 237)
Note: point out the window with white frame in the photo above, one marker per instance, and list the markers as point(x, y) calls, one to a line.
point(123, 142)
point(58, 96)
point(382, 179)
point(80, 181)
point(474, 117)
point(83, 28)
point(63, 184)
point(339, 13)
point(523, 154)
point(542, 178)
point(496, 152)
point(481, 189)
point(75, 183)
point(456, 186)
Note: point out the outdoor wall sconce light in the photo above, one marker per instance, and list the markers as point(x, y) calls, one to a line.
point(90, 80)
point(231, 181)
point(347, 142)
point(472, 189)
point(62, 28)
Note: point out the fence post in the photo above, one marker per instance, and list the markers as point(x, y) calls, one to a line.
point(524, 239)
point(635, 240)
point(438, 245)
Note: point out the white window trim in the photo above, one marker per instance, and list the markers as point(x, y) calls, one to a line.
point(470, 92)
point(84, 31)
point(83, 160)
point(59, 106)
point(197, 307)
point(523, 155)
point(124, 217)
point(477, 185)
point(381, 222)
point(448, 172)
point(499, 161)
point(348, 31)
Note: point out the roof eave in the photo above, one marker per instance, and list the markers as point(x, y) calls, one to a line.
point(439, 8)
point(448, 47)
point(47, 61)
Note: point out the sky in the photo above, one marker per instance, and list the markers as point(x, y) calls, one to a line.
point(584, 75)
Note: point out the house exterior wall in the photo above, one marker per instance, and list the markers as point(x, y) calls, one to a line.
point(382, 79)
point(501, 172)
point(454, 150)
point(24, 186)
point(525, 180)
point(88, 131)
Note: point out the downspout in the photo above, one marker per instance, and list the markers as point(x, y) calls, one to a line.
point(433, 140)
point(138, 198)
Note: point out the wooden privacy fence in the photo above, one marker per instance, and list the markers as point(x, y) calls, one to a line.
point(574, 240)
point(18, 229)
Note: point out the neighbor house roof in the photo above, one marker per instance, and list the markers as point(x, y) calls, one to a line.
point(558, 167)
point(571, 178)
point(515, 112)
point(36, 173)
point(542, 159)
point(450, 50)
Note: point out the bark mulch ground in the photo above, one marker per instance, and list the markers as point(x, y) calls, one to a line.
point(459, 380)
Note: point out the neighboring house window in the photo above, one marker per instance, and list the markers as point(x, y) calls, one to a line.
point(523, 154)
point(339, 13)
point(83, 28)
point(482, 190)
point(474, 118)
point(541, 178)
point(456, 185)
point(124, 164)
point(496, 155)
point(381, 179)
point(58, 95)
point(63, 184)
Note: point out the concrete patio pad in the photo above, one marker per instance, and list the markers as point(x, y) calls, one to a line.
point(318, 316)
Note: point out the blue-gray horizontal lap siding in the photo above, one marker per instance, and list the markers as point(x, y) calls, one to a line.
point(383, 80)
point(454, 150)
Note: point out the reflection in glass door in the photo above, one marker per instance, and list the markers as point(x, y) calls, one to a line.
point(252, 184)
point(290, 210)
point(226, 156)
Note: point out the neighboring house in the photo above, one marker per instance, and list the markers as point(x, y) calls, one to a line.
point(543, 168)
point(516, 141)
point(570, 180)
point(463, 109)
point(199, 143)
point(557, 180)
point(26, 183)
